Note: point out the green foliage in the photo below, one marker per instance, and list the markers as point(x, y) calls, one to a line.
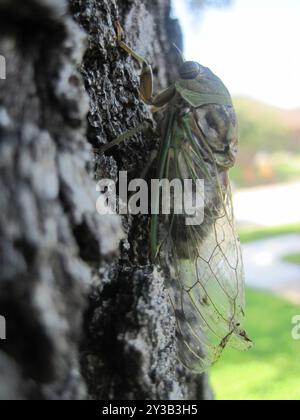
point(292, 258)
point(263, 127)
point(271, 370)
point(286, 166)
point(269, 144)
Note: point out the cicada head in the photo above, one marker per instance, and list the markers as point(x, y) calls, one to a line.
point(199, 86)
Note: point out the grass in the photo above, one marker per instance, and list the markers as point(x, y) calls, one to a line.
point(292, 258)
point(250, 235)
point(271, 370)
point(287, 167)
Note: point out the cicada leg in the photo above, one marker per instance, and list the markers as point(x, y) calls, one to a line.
point(152, 159)
point(146, 78)
point(146, 93)
point(126, 136)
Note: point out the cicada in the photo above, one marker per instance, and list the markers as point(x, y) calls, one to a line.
point(199, 140)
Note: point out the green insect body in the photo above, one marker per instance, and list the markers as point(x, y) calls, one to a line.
point(199, 140)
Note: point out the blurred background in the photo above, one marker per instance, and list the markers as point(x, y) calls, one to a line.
point(253, 46)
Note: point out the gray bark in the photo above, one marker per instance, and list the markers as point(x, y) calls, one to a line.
point(87, 315)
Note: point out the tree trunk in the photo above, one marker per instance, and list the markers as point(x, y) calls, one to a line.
point(87, 316)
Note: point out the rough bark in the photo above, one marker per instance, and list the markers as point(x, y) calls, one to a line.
point(87, 314)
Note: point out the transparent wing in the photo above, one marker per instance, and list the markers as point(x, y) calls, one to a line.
point(208, 292)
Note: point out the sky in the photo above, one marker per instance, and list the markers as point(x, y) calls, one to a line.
point(253, 46)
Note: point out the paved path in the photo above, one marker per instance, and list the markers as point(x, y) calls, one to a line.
point(266, 270)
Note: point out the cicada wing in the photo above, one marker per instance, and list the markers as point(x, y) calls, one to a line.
point(208, 293)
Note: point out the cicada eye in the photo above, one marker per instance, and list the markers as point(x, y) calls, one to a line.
point(189, 70)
